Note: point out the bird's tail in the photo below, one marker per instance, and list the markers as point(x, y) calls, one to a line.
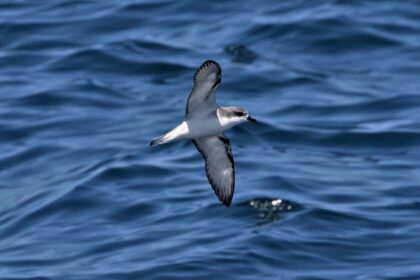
point(177, 133)
point(163, 139)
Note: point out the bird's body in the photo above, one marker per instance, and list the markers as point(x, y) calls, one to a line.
point(209, 124)
point(205, 123)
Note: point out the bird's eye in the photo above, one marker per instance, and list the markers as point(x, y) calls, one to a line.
point(240, 114)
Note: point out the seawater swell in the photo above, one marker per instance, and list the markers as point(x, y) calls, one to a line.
point(327, 183)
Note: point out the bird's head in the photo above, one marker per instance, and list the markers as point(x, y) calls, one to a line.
point(236, 115)
point(243, 115)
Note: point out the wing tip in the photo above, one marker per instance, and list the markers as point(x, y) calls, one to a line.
point(227, 202)
point(206, 64)
point(211, 61)
point(223, 198)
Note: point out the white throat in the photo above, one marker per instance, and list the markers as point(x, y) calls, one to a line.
point(229, 121)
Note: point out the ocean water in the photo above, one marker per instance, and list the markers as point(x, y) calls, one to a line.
point(327, 183)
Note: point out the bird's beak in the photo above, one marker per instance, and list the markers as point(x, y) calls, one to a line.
point(251, 120)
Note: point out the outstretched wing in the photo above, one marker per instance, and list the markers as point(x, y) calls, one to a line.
point(220, 168)
point(202, 96)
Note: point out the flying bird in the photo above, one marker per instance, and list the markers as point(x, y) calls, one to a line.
point(204, 124)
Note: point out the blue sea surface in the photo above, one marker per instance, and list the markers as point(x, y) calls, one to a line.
point(327, 183)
